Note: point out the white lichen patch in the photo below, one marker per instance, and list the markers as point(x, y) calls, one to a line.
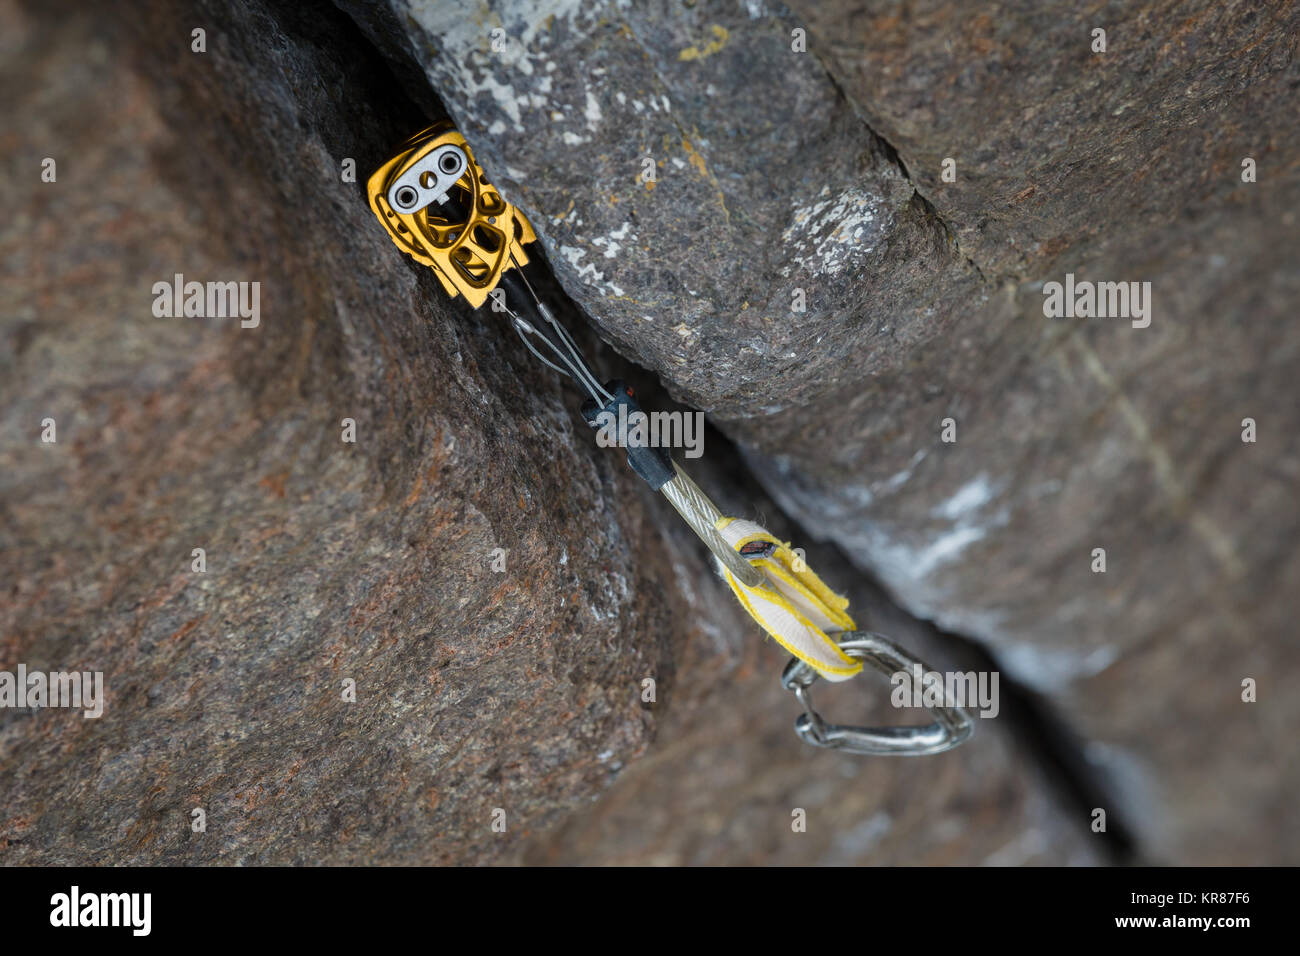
point(944, 549)
point(482, 58)
point(612, 244)
point(588, 272)
point(834, 233)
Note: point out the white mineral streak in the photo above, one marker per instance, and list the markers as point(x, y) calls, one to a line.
point(903, 477)
point(1052, 669)
point(969, 498)
point(910, 563)
point(909, 566)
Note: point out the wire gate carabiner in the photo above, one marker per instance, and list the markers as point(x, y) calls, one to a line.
point(951, 724)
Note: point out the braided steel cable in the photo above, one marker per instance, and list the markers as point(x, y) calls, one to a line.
point(702, 515)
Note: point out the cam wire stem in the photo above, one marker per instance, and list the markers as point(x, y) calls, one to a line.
point(560, 329)
point(689, 500)
point(533, 318)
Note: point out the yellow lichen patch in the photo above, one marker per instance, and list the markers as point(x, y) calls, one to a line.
point(720, 38)
point(703, 169)
point(696, 159)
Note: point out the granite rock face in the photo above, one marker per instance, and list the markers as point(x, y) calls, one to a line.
point(334, 568)
point(801, 269)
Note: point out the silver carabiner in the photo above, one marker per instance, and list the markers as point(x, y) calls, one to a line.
point(951, 725)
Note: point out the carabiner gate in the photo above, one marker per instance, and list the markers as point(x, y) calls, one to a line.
point(951, 724)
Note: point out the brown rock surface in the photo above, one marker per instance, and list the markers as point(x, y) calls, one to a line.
point(325, 561)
